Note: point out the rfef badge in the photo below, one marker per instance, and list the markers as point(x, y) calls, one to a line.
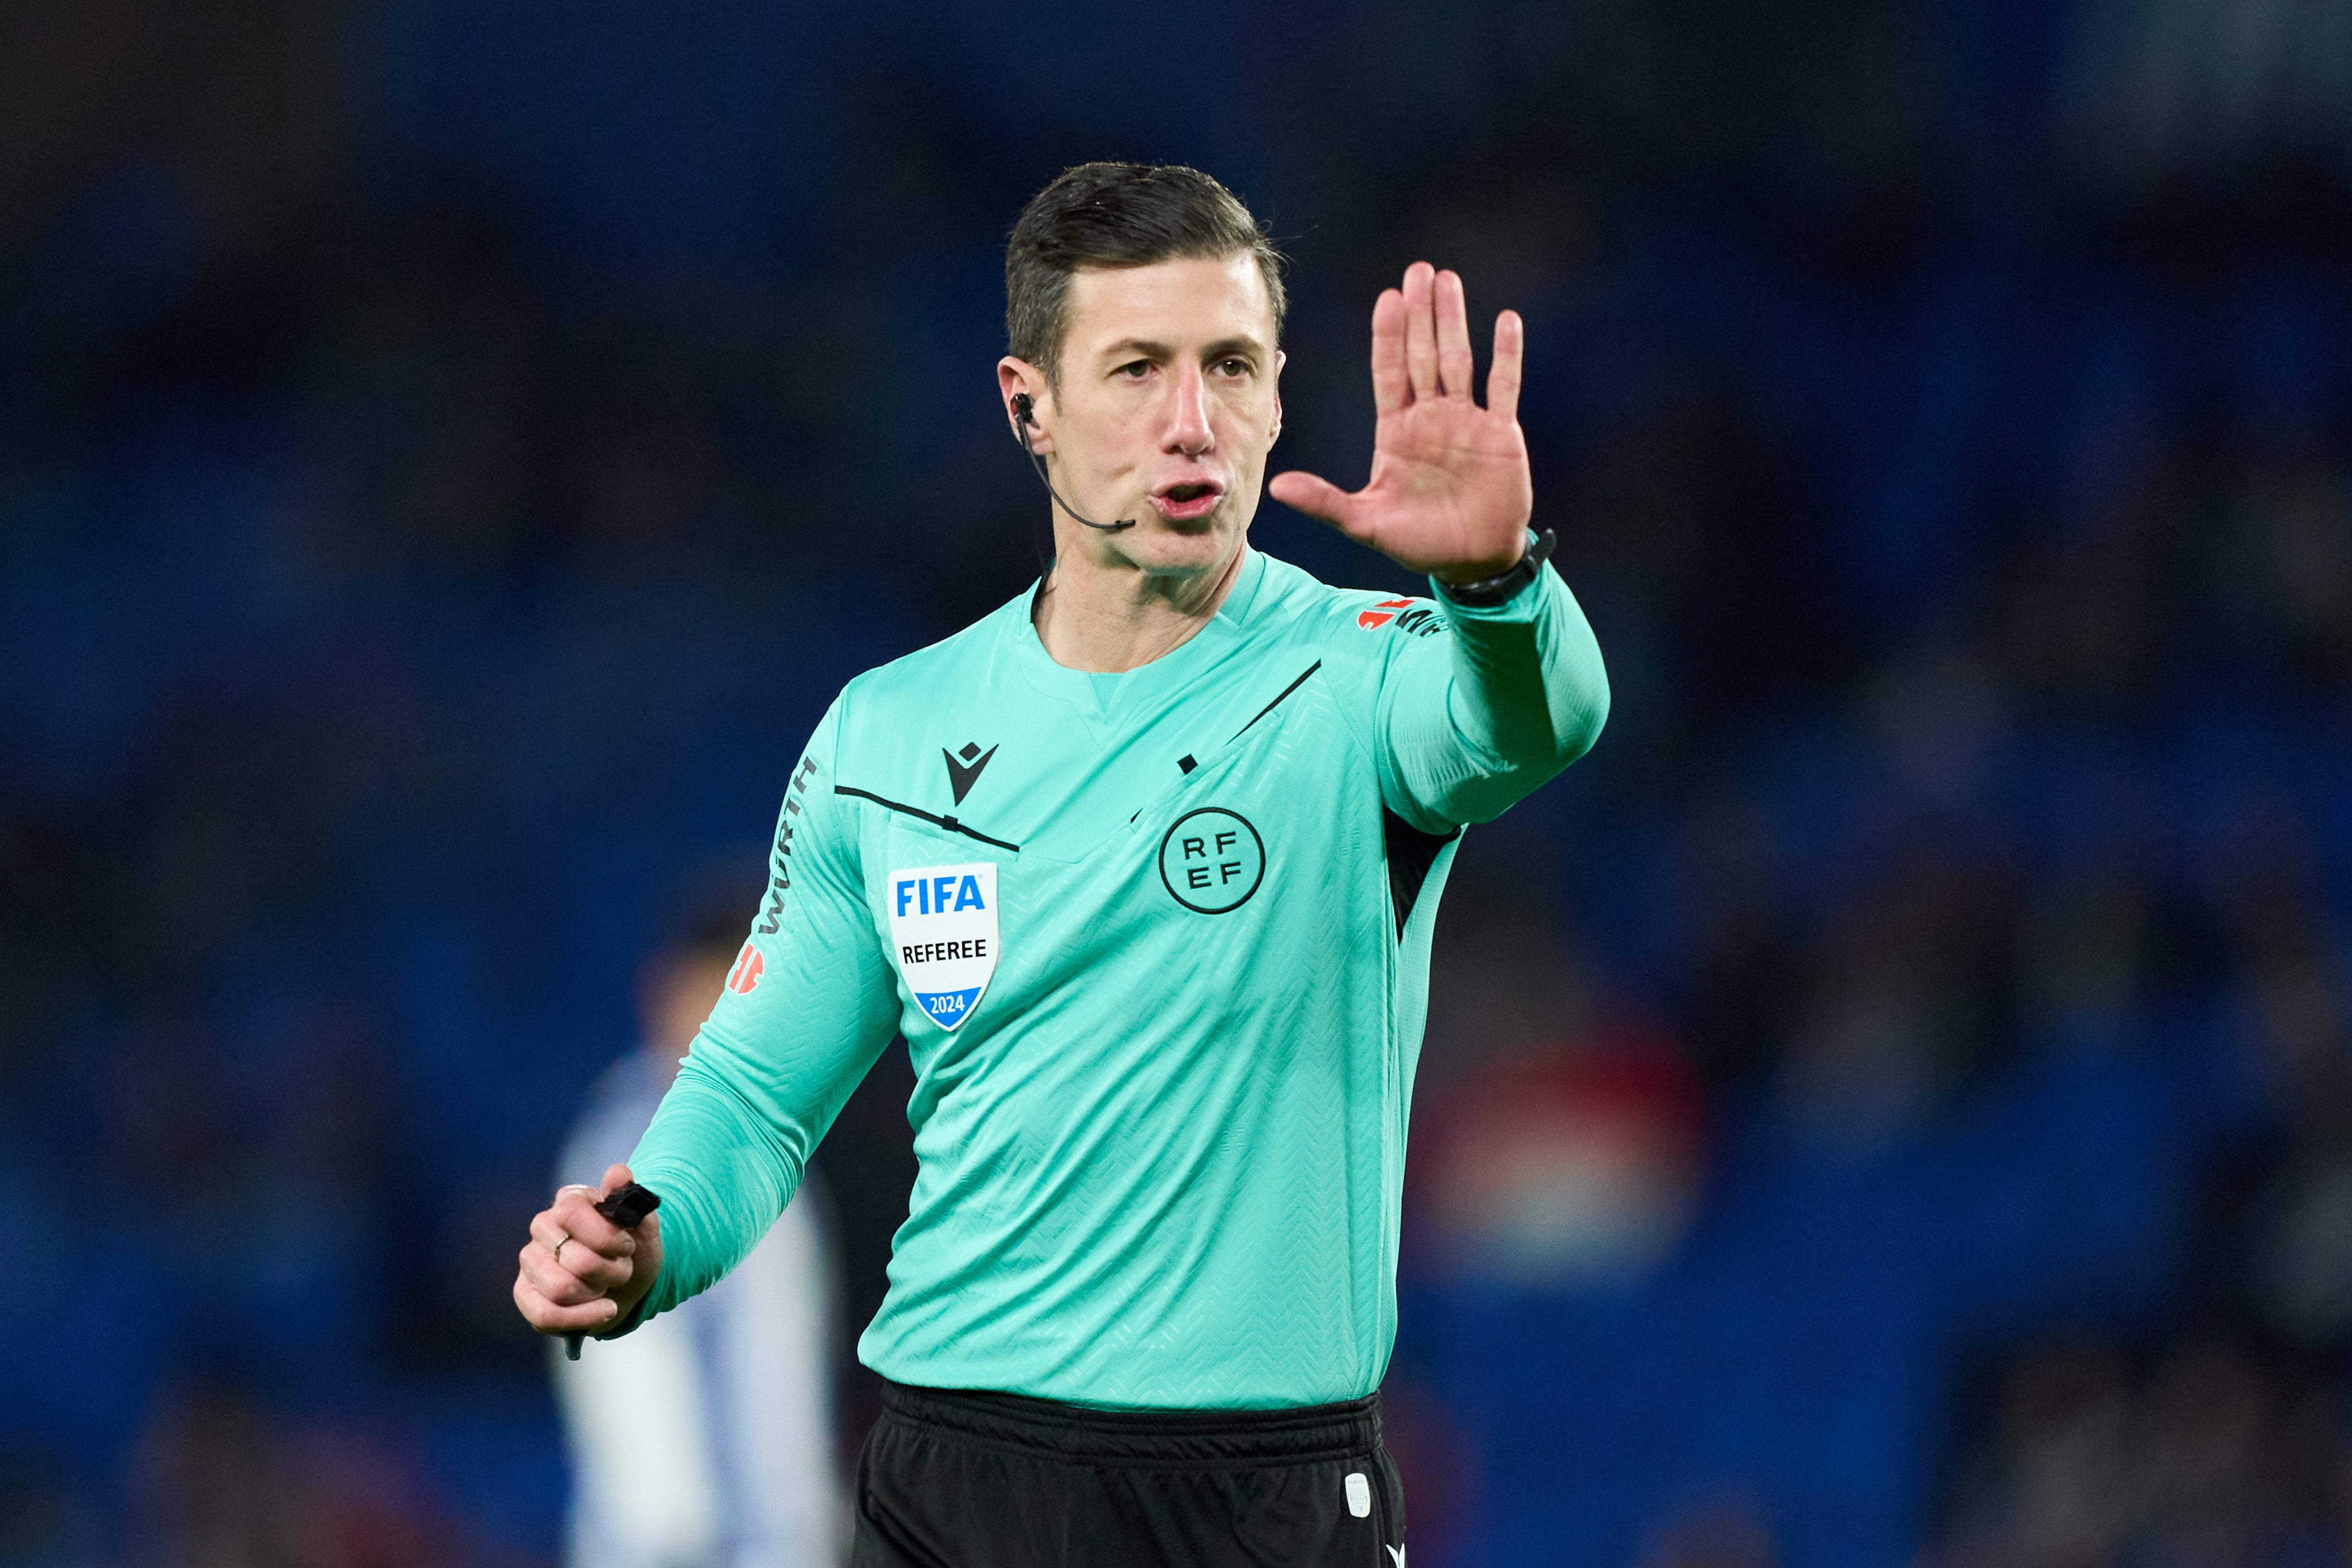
point(943, 925)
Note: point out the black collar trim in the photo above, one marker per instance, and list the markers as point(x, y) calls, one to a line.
point(950, 823)
point(1279, 701)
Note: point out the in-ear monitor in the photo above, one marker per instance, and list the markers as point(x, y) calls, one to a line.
point(1024, 419)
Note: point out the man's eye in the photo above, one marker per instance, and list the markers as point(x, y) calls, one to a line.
point(1233, 367)
point(1136, 371)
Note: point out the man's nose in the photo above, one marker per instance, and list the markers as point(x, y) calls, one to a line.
point(1188, 421)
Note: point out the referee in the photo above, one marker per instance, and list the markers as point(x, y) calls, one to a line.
point(1143, 866)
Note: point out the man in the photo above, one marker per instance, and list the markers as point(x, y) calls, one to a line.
point(1144, 866)
point(707, 1438)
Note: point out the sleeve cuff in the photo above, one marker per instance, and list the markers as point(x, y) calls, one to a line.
point(1494, 593)
point(1504, 597)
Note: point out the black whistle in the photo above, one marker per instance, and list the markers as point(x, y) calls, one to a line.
point(626, 1206)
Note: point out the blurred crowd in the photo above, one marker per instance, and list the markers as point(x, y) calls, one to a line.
point(1893, 1101)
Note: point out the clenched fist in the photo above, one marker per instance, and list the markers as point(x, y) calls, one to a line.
point(580, 1273)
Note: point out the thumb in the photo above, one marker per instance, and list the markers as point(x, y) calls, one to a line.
point(647, 1229)
point(1318, 496)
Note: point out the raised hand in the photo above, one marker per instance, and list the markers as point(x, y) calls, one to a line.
point(1450, 493)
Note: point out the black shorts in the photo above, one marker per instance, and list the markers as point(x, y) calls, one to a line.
point(952, 1479)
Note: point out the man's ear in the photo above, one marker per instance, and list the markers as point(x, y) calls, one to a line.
point(1017, 378)
point(1280, 359)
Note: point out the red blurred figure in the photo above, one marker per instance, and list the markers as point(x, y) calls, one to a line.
point(1577, 1167)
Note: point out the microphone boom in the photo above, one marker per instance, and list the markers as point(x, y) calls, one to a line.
point(1020, 416)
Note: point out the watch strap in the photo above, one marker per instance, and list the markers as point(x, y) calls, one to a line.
point(1493, 592)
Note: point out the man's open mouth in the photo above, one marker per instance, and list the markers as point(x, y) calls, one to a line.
point(1182, 502)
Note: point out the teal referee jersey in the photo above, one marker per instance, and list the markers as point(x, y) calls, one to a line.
point(1158, 945)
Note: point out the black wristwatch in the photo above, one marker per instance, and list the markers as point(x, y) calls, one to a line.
point(1491, 592)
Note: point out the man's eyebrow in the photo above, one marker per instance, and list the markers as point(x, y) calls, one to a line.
point(1147, 349)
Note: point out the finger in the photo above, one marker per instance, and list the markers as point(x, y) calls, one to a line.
point(1421, 330)
point(1391, 389)
point(575, 1218)
point(551, 1318)
point(569, 1252)
point(1503, 376)
point(551, 1279)
point(546, 1232)
point(1454, 366)
point(584, 1263)
point(1319, 498)
point(559, 1282)
point(574, 1215)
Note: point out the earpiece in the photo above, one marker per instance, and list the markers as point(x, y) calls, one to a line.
point(1024, 419)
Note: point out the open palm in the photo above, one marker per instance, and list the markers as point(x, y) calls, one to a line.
point(1449, 493)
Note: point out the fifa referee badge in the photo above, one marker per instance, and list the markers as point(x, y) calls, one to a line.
point(943, 933)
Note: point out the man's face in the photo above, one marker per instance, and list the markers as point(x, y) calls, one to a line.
point(1167, 404)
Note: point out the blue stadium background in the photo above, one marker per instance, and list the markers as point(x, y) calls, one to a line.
point(450, 455)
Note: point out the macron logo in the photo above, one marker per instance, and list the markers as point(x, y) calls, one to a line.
point(963, 775)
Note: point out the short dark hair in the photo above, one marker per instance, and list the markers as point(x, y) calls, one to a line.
point(1118, 214)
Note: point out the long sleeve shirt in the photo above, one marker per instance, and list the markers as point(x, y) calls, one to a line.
point(1158, 945)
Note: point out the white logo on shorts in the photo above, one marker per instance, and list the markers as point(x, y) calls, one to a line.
point(943, 934)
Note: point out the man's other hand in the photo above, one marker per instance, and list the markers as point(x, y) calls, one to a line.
point(1450, 494)
point(580, 1273)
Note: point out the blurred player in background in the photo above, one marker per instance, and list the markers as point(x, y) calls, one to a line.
point(1144, 868)
point(705, 1440)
